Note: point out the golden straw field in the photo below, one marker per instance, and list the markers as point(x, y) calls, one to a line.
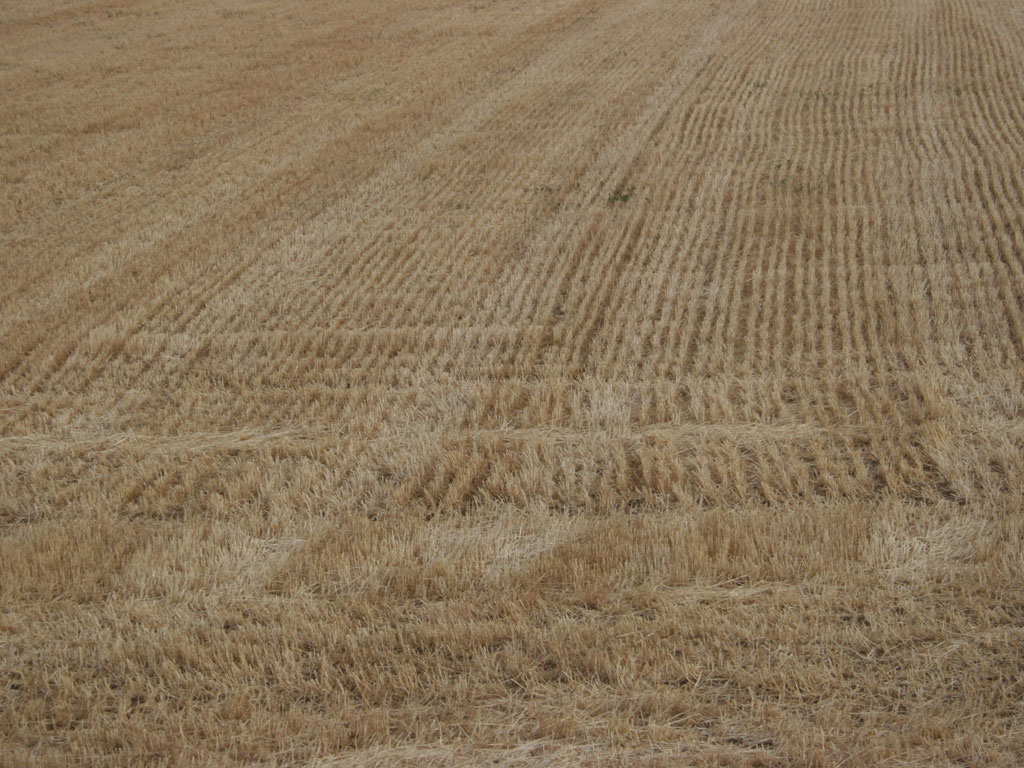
point(512, 383)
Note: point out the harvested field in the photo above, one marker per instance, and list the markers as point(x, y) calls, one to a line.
point(525, 383)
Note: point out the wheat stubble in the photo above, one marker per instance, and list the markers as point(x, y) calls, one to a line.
point(532, 383)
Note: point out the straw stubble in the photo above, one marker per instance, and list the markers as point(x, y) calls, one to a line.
point(512, 383)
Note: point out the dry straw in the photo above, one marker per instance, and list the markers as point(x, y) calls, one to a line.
point(542, 383)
